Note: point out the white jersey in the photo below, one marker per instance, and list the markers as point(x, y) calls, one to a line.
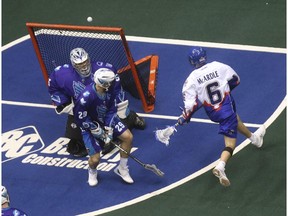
point(211, 85)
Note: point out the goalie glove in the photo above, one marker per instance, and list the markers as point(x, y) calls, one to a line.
point(65, 108)
point(108, 134)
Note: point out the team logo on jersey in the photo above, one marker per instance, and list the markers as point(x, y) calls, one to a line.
point(82, 101)
point(77, 88)
point(20, 142)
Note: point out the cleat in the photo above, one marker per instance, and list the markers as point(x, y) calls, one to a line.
point(92, 179)
point(124, 174)
point(222, 177)
point(259, 134)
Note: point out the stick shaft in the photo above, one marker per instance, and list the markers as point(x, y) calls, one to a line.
point(129, 155)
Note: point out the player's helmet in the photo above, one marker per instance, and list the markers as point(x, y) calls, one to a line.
point(197, 56)
point(104, 77)
point(80, 61)
point(4, 194)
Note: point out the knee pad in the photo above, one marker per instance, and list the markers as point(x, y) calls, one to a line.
point(229, 149)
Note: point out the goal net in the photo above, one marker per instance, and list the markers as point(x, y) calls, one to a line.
point(53, 43)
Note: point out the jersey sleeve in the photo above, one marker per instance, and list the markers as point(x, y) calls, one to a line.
point(232, 78)
point(190, 99)
point(56, 91)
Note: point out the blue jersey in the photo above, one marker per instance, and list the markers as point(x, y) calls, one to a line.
point(65, 83)
point(12, 212)
point(93, 106)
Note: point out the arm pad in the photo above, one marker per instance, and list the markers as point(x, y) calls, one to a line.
point(122, 109)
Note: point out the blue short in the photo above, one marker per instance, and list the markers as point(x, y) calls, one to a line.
point(228, 126)
point(94, 146)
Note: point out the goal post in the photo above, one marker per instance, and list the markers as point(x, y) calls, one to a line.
point(53, 42)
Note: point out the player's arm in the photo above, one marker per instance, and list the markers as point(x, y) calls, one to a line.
point(90, 129)
point(62, 101)
point(232, 78)
point(191, 102)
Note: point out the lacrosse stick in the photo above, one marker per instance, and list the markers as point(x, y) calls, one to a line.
point(151, 167)
point(163, 135)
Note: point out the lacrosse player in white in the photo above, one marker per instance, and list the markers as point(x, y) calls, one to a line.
point(210, 86)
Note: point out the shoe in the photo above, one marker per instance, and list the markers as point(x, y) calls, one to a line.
point(222, 177)
point(259, 134)
point(92, 179)
point(124, 174)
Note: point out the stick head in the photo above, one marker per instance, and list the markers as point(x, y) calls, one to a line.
point(154, 169)
point(164, 134)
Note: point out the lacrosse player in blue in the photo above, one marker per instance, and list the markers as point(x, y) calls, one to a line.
point(65, 85)
point(95, 113)
point(209, 85)
point(7, 210)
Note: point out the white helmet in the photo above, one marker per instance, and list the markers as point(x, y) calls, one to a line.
point(80, 61)
point(104, 77)
point(5, 196)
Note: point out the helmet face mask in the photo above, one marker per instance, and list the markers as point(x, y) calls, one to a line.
point(104, 77)
point(4, 195)
point(197, 56)
point(80, 61)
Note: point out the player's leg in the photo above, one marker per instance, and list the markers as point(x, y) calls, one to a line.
point(228, 128)
point(93, 162)
point(76, 145)
point(94, 149)
point(125, 138)
point(255, 138)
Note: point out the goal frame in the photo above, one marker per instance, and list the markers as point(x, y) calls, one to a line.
point(148, 107)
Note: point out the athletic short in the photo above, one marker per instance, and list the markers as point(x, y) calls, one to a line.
point(94, 146)
point(228, 126)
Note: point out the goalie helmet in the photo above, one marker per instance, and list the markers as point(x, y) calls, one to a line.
point(5, 196)
point(104, 77)
point(80, 61)
point(197, 56)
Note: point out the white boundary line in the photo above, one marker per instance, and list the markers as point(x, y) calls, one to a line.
point(180, 42)
point(140, 114)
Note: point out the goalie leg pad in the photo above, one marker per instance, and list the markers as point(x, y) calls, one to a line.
point(72, 130)
point(139, 122)
point(77, 148)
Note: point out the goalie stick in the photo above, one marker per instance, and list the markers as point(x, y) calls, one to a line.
point(151, 167)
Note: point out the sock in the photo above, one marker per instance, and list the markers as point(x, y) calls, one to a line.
point(123, 162)
point(253, 138)
point(221, 165)
point(94, 171)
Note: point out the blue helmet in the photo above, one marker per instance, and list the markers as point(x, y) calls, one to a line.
point(197, 56)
